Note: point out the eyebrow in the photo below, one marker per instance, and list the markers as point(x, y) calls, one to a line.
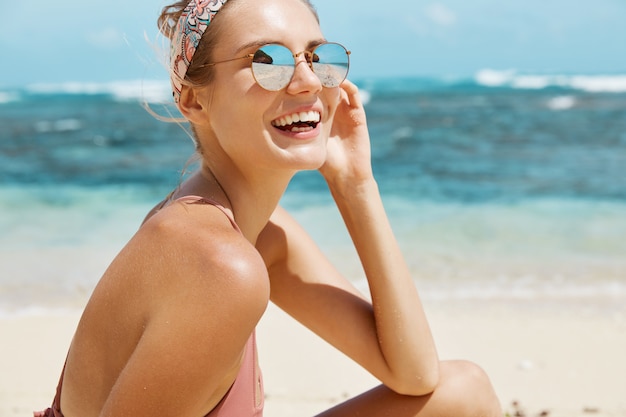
point(262, 42)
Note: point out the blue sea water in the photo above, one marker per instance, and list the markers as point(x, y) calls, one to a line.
point(504, 185)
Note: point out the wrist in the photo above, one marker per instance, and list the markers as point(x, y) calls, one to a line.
point(350, 190)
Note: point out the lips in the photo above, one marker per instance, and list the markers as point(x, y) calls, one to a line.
point(298, 122)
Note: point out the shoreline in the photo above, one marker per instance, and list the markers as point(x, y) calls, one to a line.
point(563, 359)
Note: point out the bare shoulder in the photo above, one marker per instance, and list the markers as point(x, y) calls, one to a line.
point(185, 293)
point(187, 285)
point(193, 250)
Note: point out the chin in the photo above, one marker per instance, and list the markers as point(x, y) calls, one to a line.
point(307, 160)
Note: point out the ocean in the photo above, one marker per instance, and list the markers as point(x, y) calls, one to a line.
point(500, 186)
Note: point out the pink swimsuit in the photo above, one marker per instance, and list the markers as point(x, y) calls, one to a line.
point(245, 398)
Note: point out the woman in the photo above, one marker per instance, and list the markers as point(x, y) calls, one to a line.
point(169, 329)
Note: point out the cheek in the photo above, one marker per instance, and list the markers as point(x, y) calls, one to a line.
point(237, 118)
point(333, 97)
point(234, 108)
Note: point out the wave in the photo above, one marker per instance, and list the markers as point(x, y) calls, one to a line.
point(151, 91)
point(561, 102)
point(7, 97)
point(59, 125)
point(159, 91)
point(615, 83)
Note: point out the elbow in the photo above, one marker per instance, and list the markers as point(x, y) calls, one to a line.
point(417, 385)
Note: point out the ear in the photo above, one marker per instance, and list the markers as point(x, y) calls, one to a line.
point(194, 104)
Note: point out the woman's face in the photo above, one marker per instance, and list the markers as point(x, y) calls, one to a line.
point(247, 122)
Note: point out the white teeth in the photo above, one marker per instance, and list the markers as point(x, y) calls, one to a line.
point(305, 116)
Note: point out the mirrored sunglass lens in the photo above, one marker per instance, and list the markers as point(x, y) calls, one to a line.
point(273, 67)
point(331, 63)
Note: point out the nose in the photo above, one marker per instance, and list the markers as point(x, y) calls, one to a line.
point(304, 80)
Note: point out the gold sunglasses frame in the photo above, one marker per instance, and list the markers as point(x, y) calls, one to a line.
point(308, 56)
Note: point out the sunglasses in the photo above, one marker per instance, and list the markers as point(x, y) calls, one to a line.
point(273, 65)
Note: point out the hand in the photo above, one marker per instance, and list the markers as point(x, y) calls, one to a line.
point(348, 159)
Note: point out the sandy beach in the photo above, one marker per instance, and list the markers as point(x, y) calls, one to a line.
point(563, 360)
point(546, 348)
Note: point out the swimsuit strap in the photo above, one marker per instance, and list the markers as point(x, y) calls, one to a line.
point(194, 199)
point(55, 409)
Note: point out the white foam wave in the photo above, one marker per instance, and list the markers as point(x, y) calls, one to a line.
point(515, 291)
point(61, 125)
point(37, 311)
point(365, 96)
point(589, 83)
point(8, 97)
point(493, 78)
point(152, 91)
point(561, 102)
point(611, 84)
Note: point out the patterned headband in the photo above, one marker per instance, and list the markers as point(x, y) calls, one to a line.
point(189, 30)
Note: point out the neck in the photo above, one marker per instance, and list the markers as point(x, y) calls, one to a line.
point(251, 200)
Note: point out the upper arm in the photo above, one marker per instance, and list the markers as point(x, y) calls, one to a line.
point(308, 287)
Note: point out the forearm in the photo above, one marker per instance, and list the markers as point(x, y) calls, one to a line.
point(402, 329)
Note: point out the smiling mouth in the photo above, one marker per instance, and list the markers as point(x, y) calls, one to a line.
point(298, 122)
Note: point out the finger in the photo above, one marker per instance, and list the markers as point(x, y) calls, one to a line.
point(352, 92)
